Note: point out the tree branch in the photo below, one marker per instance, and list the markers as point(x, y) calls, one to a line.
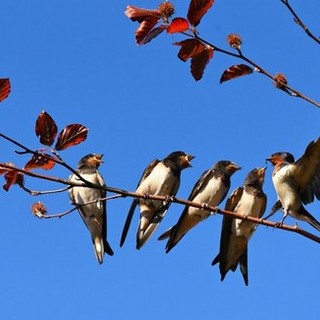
point(57, 160)
point(284, 86)
point(125, 193)
point(39, 193)
point(299, 22)
point(76, 206)
point(58, 215)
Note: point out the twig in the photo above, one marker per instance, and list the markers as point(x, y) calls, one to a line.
point(58, 215)
point(57, 160)
point(38, 193)
point(286, 88)
point(299, 22)
point(116, 196)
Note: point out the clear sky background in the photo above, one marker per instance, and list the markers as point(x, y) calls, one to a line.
point(78, 61)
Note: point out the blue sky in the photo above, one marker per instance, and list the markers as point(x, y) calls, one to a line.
point(78, 61)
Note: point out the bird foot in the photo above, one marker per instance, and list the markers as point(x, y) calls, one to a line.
point(214, 212)
point(245, 216)
point(204, 206)
point(99, 203)
point(278, 224)
point(146, 196)
point(168, 199)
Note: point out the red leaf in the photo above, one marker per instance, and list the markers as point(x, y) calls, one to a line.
point(152, 34)
point(200, 61)
point(5, 88)
point(71, 135)
point(235, 71)
point(178, 25)
point(197, 9)
point(145, 28)
point(189, 48)
point(139, 14)
point(43, 161)
point(13, 177)
point(147, 19)
point(46, 129)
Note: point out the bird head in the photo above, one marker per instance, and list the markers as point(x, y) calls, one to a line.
point(92, 160)
point(181, 158)
point(228, 166)
point(256, 177)
point(280, 157)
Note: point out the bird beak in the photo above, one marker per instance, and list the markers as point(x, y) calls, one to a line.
point(234, 167)
point(271, 160)
point(98, 158)
point(261, 174)
point(188, 158)
point(262, 171)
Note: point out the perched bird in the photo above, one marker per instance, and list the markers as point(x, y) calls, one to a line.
point(210, 189)
point(92, 210)
point(297, 182)
point(161, 178)
point(248, 200)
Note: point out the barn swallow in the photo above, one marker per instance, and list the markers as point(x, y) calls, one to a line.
point(210, 189)
point(248, 200)
point(93, 214)
point(161, 178)
point(297, 182)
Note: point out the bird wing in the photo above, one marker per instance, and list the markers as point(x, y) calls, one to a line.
point(128, 221)
point(172, 232)
point(264, 205)
point(103, 195)
point(306, 172)
point(134, 203)
point(148, 170)
point(243, 261)
point(234, 199)
point(202, 181)
point(226, 231)
point(71, 190)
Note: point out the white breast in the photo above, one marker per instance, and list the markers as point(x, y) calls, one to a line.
point(250, 206)
point(83, 195)
point(286, 188)
point(158, 181)
point(212, 193)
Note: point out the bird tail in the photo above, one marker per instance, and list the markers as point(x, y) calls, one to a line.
point(148, 224)
point(166, 234)
point(216, 260)
point(128, 221)
point(223, 272)
point(144, 235)
point(107, 248)
point(98, 246)
point(174, 239)
point(243, 261)
point(309, 218)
